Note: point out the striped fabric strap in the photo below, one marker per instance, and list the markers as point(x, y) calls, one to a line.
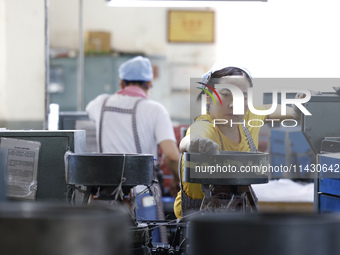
point(101, 124)
point(123, 111)
point(134, 127)
point(250, 139)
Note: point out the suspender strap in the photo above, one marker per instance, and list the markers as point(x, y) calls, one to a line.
point(123, 111)
point(179, 171)
point(250, 139)
point(187, 204)
point(101, 125)
point(134, 127)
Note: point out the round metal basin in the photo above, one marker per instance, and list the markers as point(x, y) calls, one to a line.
point(264, 234)
point(226, 168)
point(40, 229)
point(95, 169)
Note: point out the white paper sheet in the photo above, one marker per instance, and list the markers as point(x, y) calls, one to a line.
point(284, 190)
point(21, 167)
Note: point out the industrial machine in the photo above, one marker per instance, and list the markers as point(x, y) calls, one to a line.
point(226, 178)
point(322, 131)
point(2, 178)
point(48, 180)
point(79, 121)
point(110, 179)
point(108, 176)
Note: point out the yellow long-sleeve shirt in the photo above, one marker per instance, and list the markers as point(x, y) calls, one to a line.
point(206, 129)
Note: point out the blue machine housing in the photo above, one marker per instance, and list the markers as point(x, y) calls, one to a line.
point(327, 188)
point(288, 146)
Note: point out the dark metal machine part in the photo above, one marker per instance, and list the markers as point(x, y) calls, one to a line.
point(141, 238)
point(67, 120)
point(330, 144)
point(235, 186)
point(264, 234)
point(324, 121)
point(51, 167)
point(105, 170)
point(2, 178)
point(40, 229)
point(322, 132)
point(95, 169)
point(240, 158)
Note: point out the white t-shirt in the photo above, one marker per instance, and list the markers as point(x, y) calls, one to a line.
point(152, 121)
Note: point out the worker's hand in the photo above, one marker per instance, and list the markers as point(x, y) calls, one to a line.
point(296, 111)
point(203, 146)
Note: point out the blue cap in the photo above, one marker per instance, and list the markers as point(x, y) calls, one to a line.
point(136, 69)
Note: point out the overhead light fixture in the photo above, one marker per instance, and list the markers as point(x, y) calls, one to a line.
point(172, 3)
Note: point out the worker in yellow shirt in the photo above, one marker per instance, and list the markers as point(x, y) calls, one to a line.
point(206, 138)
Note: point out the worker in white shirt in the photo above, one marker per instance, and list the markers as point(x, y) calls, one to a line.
point(129, 122)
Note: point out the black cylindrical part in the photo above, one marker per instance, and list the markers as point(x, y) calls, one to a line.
point(264, 234)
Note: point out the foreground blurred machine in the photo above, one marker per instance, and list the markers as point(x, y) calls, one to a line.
point(322, 131)
point(265, 234)
point(55, 229)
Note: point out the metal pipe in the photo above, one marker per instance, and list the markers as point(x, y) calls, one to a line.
point(47, 63)
point(80, 80)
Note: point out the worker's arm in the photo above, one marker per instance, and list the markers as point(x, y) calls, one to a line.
point(171, 153)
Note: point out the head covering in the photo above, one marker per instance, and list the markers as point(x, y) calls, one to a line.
point(136, 69)
point(218, 66)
